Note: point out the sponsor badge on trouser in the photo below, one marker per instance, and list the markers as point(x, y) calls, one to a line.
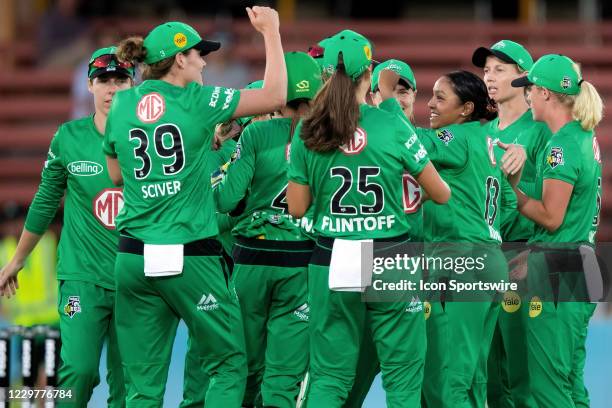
point(351, 265)
point(163, 260)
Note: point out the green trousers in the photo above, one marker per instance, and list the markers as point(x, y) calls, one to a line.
point(87, 319)
point(148, 312)
point(368, 368)
point(271, 282)
point(338, 321)
point(556, 330)
point(462, 322)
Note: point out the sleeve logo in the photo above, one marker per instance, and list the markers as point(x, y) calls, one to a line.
point(555, 158)
point(229, 95)
point(445, 136)
point(150, 108)
point(84, 168)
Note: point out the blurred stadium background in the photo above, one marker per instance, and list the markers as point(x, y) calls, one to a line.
point(45, 44)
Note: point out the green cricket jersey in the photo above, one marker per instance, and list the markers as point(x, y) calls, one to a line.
point(160, 134)
point(463, 155)
point(259, 176)
point(533, 136)
point(359, 189)
point(572, 155)
point(414, 211)
point(76, 164)
point(217, 160)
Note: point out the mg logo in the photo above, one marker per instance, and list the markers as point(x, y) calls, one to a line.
point(107, 205)
point(411, 196)
point(357, 143)
point(151, 107)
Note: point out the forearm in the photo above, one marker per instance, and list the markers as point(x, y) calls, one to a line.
point(26, 244)
point(535, 210)
point(275, 75)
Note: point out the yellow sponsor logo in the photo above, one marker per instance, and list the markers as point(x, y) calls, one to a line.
point(303, 86)
point(368, 52)
point(511, 302)
point(427, 307)
point(180, 40)
point(535, 307)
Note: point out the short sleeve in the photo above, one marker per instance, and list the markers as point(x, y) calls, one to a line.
point(562, 162)
point(297, 171)
point(445, 148)
point(413, 154)
point(215, 104)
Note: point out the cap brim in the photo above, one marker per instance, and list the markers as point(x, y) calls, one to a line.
point(111, 71)
point(479, 58)
point(521, 82)
point(206, 47)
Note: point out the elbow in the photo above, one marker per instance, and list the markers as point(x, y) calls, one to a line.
point(552, 225)
point(296, 211)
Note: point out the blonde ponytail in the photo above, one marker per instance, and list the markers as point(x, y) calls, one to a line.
point(588, 106)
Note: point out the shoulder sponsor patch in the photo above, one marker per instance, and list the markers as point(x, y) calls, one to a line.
point(555, 157)
point(445, 136)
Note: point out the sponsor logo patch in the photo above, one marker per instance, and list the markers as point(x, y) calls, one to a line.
point(303, 312)
point(356, 144)
point(511, 302)
point(555, 157)
point(84, 168)
point(303, 86)
point(566, 82)
point(445, 136)
point(107, 205)
point(151, 107)
point(427, 307)
point(535, 307)
point(180, 40)
point(207, 303)
point(73, 306)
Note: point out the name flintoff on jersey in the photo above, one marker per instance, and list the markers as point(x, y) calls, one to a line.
point(155, 190)
point(381, 222)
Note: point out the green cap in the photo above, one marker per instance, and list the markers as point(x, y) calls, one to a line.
point(104, 61)
point(170, 38)
point(400, 67)
point(316, 51)
point(555, 72)
point(356, 53)
point(243, 121)
point(507, 51)
point(303, 76)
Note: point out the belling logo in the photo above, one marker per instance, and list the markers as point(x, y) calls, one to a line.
point(84, 168)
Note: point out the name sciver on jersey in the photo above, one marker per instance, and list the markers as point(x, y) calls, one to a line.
point(166, 188)
point(357, 224)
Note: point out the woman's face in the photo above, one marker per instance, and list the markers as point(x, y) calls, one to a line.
point(497, 76)
point(537, 99)
point(405, 97)
point(445, 106)
point(193, 65)
point(104, 88)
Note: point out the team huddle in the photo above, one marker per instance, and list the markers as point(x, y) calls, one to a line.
point(248, 214)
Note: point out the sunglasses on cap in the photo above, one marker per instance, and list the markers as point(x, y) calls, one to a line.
point(106, 60)
point(316, 51)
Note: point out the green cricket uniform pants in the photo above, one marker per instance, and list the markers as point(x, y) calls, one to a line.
point(148, 313)
point(337, 324)
point(368, 368)
point(195, 379)
point(87, 319)
point(556, 329)
point(271, 282)
point(462, 322)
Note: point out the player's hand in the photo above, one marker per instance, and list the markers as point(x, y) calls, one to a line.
point(225, 131)
point(512, 161)
point(387, 80)
point(8, 278)
point(518, 266)
point(264, 19)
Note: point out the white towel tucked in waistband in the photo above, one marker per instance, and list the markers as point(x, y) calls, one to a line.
point(163, 260)
point(350, 269)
